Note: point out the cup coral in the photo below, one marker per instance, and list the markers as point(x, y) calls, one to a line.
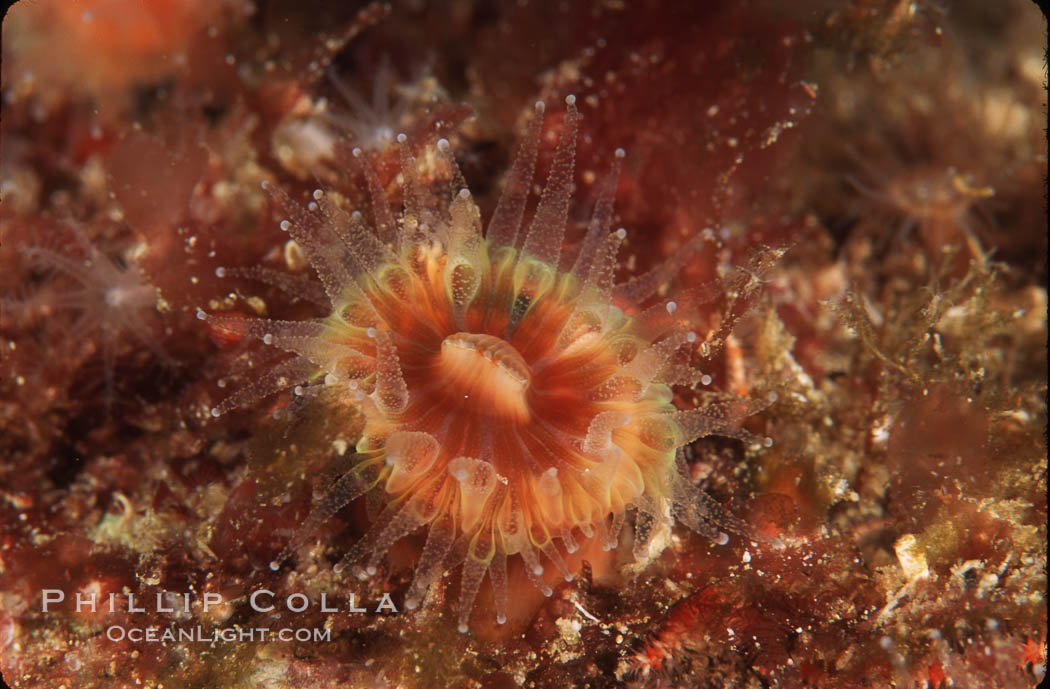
point(109, 295)
point(510, 400)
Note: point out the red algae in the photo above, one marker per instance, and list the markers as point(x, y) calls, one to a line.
point(834, 237)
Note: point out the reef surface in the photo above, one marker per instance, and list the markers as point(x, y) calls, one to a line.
point(847, 204)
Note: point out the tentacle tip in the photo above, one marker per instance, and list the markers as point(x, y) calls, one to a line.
point(620, 153)
point(402, 138)
point(722, 538)
point(462, 628)
point(538, 570)
point(570, 100)
point(370, 570)
point(201, 315)
point(357, 152)
point(569, 577)
point(220, 272)
point(215, 413)
point(337, 569)
point(547, 591)
point(501, 619)
point(265, 184)
point(275, 565)
point(443, 145)
point(540, 106)
point(411, 603)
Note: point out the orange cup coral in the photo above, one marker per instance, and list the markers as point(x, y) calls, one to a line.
point(510, 403)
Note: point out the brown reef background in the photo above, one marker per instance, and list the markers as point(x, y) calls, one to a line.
point(895, 150)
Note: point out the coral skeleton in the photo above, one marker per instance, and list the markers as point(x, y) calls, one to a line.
point(510, 405)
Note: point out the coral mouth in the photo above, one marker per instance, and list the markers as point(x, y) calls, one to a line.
point(489, 373)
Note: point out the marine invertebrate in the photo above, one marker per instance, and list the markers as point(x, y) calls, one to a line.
point(308, 141)
point(942, 204)
point(670, 638)
point(374, 125)
point(510, 404)
point(109, 294)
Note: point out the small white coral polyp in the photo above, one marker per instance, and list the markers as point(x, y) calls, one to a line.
point(373, 125)
point(109, 297)
point(509, 403)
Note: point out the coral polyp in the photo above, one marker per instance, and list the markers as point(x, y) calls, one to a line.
point(512, 406)
point(108, 295)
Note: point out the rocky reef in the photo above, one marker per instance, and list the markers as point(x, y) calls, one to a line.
point(743, 383)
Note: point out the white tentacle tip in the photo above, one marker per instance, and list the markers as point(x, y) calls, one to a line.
point(462, 628)
point(570, 99)
point(620, 153)
point(275, 565)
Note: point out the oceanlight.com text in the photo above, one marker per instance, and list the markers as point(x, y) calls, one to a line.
point(199, 634)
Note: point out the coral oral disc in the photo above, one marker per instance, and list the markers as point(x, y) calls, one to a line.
point(488, 373)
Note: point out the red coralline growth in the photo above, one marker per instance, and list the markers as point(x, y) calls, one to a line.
point(834, 212)
point(674, 89)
